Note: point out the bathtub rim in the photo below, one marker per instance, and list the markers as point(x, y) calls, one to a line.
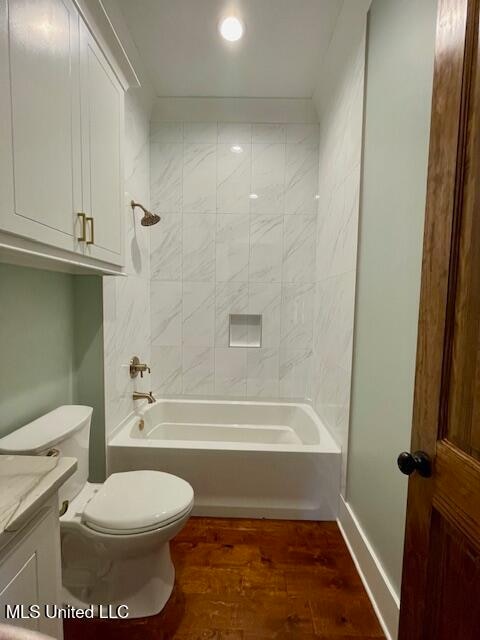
point(121, 435)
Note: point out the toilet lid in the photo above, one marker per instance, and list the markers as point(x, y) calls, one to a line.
point(137, 501)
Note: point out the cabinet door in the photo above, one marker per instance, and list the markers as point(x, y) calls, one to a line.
point(102, 148)
point(40, 152)
point(30, 572)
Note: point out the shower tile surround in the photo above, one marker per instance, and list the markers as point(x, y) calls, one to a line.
point(336, 243)
point(218, 251)
point(126, 300)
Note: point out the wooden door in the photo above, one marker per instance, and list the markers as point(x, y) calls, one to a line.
point(40, 155)
point(102, 149)
point(441, 573)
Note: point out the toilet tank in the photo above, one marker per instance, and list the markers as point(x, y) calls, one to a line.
point(65, 431)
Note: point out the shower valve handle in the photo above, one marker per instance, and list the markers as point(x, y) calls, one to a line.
point(137, 367)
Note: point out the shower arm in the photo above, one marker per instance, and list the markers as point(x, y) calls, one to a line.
point(134, 204)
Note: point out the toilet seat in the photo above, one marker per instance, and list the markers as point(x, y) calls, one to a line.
point(136, 502)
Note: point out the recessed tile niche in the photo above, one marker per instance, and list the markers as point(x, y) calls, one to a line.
point(245, 330)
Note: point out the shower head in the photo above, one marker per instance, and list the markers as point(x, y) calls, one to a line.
point(148, 218)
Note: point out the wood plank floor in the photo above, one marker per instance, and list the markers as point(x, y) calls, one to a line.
point(253, 580)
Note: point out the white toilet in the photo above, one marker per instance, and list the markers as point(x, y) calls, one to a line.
point(115, 535)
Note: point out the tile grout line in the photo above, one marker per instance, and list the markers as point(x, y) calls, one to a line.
point(282, 281)
point(215, 266)
point(250, 190)
point(182, 350)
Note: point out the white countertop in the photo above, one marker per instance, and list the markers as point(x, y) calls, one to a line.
point(26, 482)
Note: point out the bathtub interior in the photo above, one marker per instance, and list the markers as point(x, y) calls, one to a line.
point(233, 422)
point(221, 433)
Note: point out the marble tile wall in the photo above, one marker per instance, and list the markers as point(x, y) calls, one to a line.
point(238, 205)
point(336, 249)
point(126, 300)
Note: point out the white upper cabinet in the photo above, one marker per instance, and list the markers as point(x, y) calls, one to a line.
point(61, 130)
point(102, 127)
point(40, 100)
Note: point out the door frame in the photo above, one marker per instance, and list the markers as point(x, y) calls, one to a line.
point(454, 50)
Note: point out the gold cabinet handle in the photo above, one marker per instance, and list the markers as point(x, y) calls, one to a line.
point(82, 217)
point(92, 230)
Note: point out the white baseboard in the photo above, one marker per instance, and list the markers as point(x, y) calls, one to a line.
point(383, 597)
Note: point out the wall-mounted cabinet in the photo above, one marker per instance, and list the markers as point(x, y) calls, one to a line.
point(61, 130)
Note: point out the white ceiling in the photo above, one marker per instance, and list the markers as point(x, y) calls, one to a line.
point(279, 55)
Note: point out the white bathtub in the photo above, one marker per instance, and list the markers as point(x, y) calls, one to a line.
point(245, 459)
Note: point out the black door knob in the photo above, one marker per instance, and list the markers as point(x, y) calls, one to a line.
point(418, 461)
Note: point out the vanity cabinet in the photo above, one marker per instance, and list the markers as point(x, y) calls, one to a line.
point(30, 571)
point(61, 130)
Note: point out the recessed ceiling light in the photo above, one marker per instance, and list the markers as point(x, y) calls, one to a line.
point(317, 197)
point(236, 148)
point(253, 196)
point(231, 29)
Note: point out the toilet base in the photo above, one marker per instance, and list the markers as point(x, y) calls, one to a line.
point(107, 569)
point(144, 584)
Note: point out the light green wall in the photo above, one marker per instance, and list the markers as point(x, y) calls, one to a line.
point(50, 348)
point(88, 350)
point(398, 91)
point(36, 344)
